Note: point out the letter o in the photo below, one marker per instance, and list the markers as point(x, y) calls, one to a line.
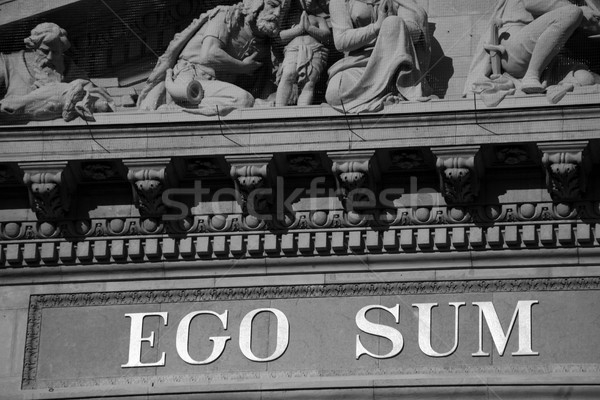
point(283, 335)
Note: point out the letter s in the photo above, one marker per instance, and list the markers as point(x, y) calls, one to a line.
point(379, 330)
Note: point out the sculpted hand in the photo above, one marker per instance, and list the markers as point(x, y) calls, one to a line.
point(304, 22)
point(250, 65)
point(384, 10)
point(588, 13)
point(591, 19)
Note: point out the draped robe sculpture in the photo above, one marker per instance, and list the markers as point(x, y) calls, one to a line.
point(386, 49)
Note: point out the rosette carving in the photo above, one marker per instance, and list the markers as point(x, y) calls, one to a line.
point(460, 170)
point(567, 166)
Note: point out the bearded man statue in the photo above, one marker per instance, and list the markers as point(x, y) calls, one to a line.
point(41, 83)
point(203, 67)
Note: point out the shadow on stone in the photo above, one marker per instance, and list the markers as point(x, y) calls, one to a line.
point(441, 67)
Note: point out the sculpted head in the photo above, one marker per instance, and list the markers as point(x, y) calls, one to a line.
point(49, 42)
point(265, 15)
point(315, 7)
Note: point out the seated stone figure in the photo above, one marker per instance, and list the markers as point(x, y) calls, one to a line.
point(199, 71)
point(386, 49)
point(41, 83)
point(529, 34)
point(305, 58)
point(80, 98)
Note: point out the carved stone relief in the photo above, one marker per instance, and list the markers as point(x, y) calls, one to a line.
point(42, 83)
point(191, 76)
point(50, 186)
point(535, 42)
point(355, 86)
point(250, 174)
point(354, 171)
point(305, 56)
point(460, 170)
point(149, 178)
point(567, 165)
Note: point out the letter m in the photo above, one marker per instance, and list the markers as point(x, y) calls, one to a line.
point(500, 339)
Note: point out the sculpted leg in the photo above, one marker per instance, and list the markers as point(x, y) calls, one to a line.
point(341, 83)
point(531, 49)
point(285, 88)
point(306, 97)
point(217, 93)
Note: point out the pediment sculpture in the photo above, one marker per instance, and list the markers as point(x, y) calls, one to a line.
point(41, 83)
point(204, 67)
point(305, 55)
point(522, 50)
point(387, 48)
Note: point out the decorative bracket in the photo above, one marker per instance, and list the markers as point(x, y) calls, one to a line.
point(253, 177)
point(149, 178)
point(460, 170)
point(567, 165)
point(50, 185)
point(355, 171)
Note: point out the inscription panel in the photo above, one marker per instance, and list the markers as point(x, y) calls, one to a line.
point(546, 326)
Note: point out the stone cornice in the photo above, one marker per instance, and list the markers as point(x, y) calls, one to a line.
point(445, 123)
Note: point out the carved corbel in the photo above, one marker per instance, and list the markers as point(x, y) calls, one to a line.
point(567, 165)
point(460, 170)
point(50, 185)
point(149, 178)
point(253, 177)
point(356, 171)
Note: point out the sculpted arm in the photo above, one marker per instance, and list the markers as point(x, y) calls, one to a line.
point(591, 16)
point(539, 7)
point(213, 55)
point(345, 36)
point(287, 35)
point(320, 32)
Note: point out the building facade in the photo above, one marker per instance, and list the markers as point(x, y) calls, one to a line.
point(439, 249)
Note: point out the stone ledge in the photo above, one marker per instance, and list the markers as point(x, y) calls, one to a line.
point(459, 105)
point(255, 131)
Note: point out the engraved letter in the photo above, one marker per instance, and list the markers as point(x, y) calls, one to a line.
point(387, 332)
point(183, 335)
point(283, 335)
point(425, 328)
point(523, 311)
point(136, 339)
